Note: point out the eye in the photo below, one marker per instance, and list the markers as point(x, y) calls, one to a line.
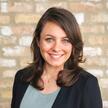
point(66, 40)
point(49, 39)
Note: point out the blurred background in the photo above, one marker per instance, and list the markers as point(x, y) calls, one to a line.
point(18, 19)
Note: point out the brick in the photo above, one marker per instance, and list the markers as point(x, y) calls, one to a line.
point(58, 3)
point(84, 7)
point(106, 51)
point(89, 51)
point(94, 0)
point(4, 19)
point(23, 30)
point(3, 0)
point(80, 18)
point(107, 5)
point(27, 18)
point(5, 94)
point(6, 31)
point(10, 40)
point(105, 40)
point(25, 40)
point(4, 104)
point(94, 40)
point(7, 62)
point(107, 72)
point(25, 62)
point(9, 73)
point(41, 7)
point(96, 61)
point(105, 94)
point(4, 7)
point(41, 0)
point(107, 27)
point(20, 7)
point(74, 0)
point(16, 51)
point(96, 72)
point(97, 18)
point(6, 83)
point(93, 29)
point(107, 62)
point(105, 104)
point(104, 82)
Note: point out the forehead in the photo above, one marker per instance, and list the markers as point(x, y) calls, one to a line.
point(53, 29)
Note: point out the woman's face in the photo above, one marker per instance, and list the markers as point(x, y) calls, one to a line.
point(54, 45)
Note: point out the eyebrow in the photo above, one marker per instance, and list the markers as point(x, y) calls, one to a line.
point(50, 35)
point(54, 36)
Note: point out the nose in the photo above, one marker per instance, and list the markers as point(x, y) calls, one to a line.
point(57, 46)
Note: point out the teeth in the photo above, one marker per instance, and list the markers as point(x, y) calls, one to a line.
point(55, 56)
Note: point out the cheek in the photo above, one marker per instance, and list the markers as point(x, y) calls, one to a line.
point(68, 49)
point(44, 47)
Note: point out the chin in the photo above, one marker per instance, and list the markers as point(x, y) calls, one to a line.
point(56, 64)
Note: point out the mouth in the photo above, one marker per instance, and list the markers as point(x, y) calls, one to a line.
point(56, 56)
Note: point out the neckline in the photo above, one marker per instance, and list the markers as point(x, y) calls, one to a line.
point(46, 94)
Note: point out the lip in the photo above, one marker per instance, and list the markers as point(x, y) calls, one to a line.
point(56, 56)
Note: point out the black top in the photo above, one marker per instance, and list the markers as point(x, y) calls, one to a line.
point(85, 93)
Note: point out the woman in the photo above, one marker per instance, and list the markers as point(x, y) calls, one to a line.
point(55, 79)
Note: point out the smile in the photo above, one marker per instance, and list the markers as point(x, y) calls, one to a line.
point(56, 56)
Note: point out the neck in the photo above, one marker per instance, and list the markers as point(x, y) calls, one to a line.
point(49, 77)
point(52, 71)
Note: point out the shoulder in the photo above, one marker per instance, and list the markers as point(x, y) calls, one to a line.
point(87, 84)
point(84, 75)
point(89, 80)
point(86, 79)
point(22, 73)
point(91, 90)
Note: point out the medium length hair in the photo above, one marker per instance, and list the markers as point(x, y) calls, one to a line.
point(66, 20)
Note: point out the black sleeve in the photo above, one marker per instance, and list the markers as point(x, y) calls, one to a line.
point(15, 83)
point(92, 95)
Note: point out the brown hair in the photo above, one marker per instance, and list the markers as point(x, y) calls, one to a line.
point(68, 23)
